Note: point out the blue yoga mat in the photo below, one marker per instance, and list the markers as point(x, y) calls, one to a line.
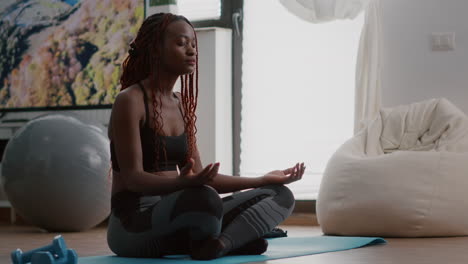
point(278, 248)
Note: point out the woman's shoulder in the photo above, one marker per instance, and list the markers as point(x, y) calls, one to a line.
point(129, 96)
point(127, 107)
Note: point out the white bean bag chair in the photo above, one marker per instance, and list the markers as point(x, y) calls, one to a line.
point(404, 175)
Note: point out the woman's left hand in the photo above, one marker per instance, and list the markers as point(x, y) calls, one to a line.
point(285, 176)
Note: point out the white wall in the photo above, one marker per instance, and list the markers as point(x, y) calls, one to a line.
point(214, 109)
point(411, 71)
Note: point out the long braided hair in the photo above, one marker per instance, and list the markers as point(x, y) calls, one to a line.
point(137, 67)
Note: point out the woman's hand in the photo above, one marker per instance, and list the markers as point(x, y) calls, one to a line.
point(285, 176)
point(187, 175)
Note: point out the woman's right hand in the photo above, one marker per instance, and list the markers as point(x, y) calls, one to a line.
point(187, 174)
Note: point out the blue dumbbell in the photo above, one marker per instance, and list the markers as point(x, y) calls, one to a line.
point(45, 257)
point(58, 249)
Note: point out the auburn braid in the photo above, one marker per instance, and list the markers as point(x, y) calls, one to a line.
point(189, 102)
point(155, 81)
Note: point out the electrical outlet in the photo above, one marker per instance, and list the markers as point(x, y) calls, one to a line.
point(443, 41)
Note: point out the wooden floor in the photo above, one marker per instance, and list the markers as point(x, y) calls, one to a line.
point(414, 251)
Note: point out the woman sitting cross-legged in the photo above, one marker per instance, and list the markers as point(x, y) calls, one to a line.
point(163, 200)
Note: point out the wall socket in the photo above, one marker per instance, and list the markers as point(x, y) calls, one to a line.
point(443, 41)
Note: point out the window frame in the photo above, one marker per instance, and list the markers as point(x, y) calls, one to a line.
point(224, 21)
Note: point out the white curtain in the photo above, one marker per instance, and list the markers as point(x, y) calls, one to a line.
point(319, 11)
point(368, 99)
point(368, 66)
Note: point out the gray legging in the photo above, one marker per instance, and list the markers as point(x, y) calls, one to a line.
point(154, 226)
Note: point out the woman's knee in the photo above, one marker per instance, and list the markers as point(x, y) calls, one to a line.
point(202, 199)
point(283, 195)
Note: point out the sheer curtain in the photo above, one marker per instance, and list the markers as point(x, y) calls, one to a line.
point(319, 11)
point(298, 91)
point(369, 66)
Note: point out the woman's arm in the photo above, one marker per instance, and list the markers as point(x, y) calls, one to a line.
point(226, 183)
point(125, 134)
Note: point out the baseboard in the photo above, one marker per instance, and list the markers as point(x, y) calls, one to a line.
point(4, 215)
point(305, 206)
point(301, 219)
point(8, 216)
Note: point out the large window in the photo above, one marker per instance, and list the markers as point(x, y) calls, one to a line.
point(200, 9)
point(297, 91)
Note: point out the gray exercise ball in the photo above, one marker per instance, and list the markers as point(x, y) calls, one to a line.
point(55, 173)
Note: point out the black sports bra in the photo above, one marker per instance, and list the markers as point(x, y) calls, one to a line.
point(174, 148)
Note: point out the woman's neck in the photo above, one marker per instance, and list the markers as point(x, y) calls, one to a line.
point(166, 81)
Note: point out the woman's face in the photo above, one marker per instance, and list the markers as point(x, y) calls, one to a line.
point(179, 48)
